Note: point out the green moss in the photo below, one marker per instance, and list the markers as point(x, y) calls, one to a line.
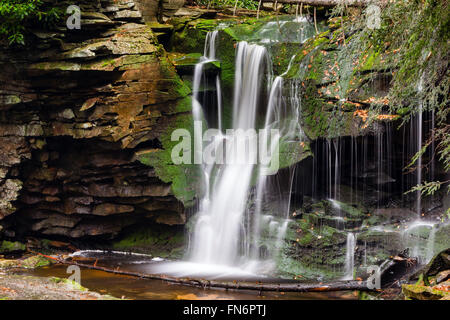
point(9, 246)
point(316, 122)
point(190, 37)
point(163, 241)
point(36, 262)
point(178, 89)
point(190, 59)
point(421, 292)
point(308, 50)
point(292, 152)
point(183, 177)
point(71, 283)
point(245, 29)
point(313, 250)
point(336, 207)
point(226, 55)
point(293, 268)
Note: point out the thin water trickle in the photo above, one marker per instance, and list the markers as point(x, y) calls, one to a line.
point(350, 256)
point(419, 147)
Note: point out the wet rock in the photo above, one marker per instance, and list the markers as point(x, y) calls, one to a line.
point(106, 209)
point(170, 7)
point(67, 114)
point(171, 218)
point(443, 276)
point(160, 240)
point(341, 209)
point(272, 7)
point(56, 220)
point(393, 215)
point(440, 262)
point(9, 192)
point(312, 251)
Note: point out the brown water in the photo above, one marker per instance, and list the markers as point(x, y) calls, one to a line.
point(145, 289)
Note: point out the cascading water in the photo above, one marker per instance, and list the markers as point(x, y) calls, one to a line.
point(350, 256)
point(225, 232)
point(217, 231)
point(227, 228)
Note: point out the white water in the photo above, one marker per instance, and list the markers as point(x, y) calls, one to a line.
point(419, 147)
point(419, 163)
point(350, 256)
point(421, 248)
point(226, 235)
point(217, 232)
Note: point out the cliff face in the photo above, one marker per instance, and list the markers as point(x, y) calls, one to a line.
point(77, 108)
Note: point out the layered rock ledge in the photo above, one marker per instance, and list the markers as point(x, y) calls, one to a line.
point(78, 108)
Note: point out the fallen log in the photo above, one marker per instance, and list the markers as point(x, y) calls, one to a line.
point(237, 285)
point(323, 3)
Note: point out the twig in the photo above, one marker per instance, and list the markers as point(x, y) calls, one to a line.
point(315, 20)
point(235, 7)
point(259, 7)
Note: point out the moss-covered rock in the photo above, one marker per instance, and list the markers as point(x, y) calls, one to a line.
point(9, 246)
point(189, 36)
point(422, 292)
point(184, 178)
point(27, 263)
point(166, 242)
point(312, 252)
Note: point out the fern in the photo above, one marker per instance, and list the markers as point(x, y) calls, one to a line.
point(428, 188)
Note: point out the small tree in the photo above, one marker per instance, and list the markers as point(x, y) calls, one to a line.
point(17, 15)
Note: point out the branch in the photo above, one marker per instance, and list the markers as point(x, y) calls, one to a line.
point(238, 285)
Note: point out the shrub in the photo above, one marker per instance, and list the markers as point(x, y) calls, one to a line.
point(17, 15)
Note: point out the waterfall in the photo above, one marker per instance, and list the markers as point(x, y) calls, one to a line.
point(350, 256)
point(336, 166)
point(217, 232)
point(209, 55)
point(226, 232)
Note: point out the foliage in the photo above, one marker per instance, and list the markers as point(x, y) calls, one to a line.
point(428, 188)
point(246, 4)
point(419, 30)
point(415, 35)
point(17, 15)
